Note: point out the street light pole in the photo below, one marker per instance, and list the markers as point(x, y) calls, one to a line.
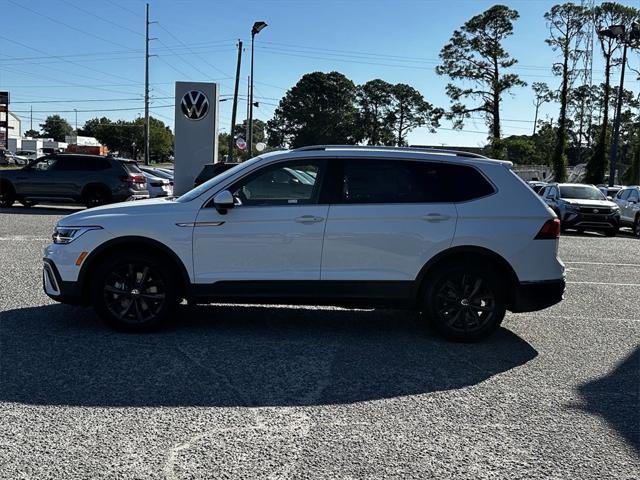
point(257, 27)
point(616, 123)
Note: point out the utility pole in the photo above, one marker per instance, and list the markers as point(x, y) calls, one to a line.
point(31, 117)
point(616, 123)
point(248, 131)
point(235, 102)
point(146, 87)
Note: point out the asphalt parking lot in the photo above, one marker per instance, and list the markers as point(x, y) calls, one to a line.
point(255, 392)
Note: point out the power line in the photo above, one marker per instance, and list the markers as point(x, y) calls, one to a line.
point(59, 22)
point(116, 24)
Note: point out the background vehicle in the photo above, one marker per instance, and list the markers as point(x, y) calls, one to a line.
point(537, 186)
point(28, 154)
point(70, 178)
point(582, 207)
point(211, 170)
point(457, 236)
point(157, 187)
point(158, 172)
point(610, 192)
point(628, 199)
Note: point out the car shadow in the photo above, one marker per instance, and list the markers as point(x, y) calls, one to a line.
point(239, 356)
point(18, 209)
point(616, 398)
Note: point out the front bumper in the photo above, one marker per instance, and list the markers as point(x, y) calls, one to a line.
point(56, 288)
point(533, 296)
point(590, 220)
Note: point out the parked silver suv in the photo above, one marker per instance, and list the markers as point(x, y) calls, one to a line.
point(628, 199)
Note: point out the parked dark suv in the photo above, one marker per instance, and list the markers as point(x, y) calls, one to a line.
point(91, 180)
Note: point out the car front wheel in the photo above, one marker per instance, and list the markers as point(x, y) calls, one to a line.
point(465, 303)
point(133, 292)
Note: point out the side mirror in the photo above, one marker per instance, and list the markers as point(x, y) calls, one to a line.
point(609, 197)
point(223, 201)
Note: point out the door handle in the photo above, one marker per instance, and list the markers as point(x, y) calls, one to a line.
point(309, 219)
point(435, 217)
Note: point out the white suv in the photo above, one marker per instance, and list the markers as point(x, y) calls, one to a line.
point(454, 235)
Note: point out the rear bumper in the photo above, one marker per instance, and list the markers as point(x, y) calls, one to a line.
point(58, 290)
point(533, 296)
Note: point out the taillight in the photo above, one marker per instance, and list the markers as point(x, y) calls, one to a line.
point(550, 230)
point(134, 179)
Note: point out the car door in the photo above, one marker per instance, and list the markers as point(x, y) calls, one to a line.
point(274, 232)
point(388, 220)
point(35, 181)
point(632, 206)
point(621, 201)
point(68, 175)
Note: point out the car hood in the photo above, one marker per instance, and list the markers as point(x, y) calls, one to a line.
point(590, 203)
point(94, 216)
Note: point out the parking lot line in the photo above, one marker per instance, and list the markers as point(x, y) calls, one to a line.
point(604, 264)
point(606, 283)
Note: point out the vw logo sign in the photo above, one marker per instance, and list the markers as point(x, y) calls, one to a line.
point(595, 210)
point(194, 105)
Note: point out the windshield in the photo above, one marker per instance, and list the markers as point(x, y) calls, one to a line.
point(200, 189)
point(577, 192)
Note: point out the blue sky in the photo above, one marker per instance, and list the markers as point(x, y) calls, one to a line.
point(88, 54)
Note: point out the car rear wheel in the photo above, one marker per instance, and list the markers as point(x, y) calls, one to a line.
point(95, 196)
point(612, 232)
point(636, 226)
point(465, 302)
point(133, 292)
point(7, 195)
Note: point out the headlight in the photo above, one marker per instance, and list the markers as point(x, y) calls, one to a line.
point(571, 208)
point(615, 208)
point(64, 235)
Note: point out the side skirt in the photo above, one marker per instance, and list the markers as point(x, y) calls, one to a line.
point(372, 294)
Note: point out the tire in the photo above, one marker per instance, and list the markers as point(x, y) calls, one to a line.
point(27, 203)
point(7, 195)
point(612, 232)
point(455, 296)
point(133, 292)
point(580, 230)
point(636, 226)
point(96, 196)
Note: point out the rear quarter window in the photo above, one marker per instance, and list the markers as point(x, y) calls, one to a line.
point(131, 167)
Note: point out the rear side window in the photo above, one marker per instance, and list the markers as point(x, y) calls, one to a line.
point(131, 167)
point(399, 181)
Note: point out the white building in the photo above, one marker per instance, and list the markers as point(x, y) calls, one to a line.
point(15, 126)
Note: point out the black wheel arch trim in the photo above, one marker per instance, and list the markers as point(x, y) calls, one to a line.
point(132, 241)
point(451, 253)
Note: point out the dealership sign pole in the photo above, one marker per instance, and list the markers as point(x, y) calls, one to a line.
point(4, 108)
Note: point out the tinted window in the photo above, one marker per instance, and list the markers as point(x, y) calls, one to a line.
point(44, 164)
point(131, 167)
point(399, 181)
point(281, 184)
point(623, 194)
point(633, 196)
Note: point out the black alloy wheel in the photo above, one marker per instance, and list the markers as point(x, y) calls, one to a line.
point(134, 293)
point(465, 303)
point(7, 196)
point(96, 197)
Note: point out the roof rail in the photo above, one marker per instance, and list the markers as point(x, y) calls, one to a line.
point(457, 153)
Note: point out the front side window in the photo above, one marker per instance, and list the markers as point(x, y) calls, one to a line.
point(633, 196)
point(401, 181)
point(623, 194)
point(44, 164)
point(288, 183)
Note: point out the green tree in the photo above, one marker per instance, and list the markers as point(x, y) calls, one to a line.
point(319, 109)
point(409, 110)
point(542, 94)
point(55, 127)
point(604, 15)
point(374, 100)
point(119, 136)
point(566, 33)
point(90, 126)
point(32, 133)
point(475, 55)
